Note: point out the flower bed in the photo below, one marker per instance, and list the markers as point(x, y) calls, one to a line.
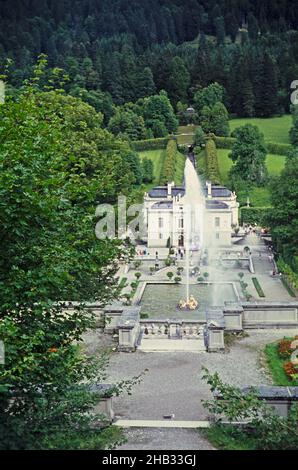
point(284, 348)
point(291, 370)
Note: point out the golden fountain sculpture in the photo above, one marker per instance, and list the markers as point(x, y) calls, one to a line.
point(191, 304)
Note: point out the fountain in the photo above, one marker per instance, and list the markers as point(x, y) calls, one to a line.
point(193, 205)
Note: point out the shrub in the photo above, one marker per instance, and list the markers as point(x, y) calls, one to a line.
point(224, 142)
point(278, 149)
point(258, 287)
point(170, 275)
point(290, 370)
point(137, 264)
point(212, 168)
point(169, 164)
point(287, 270)
point(284, 348)
point(168, 261)
point(138, 275)
point(254, 215)
point(177, 279)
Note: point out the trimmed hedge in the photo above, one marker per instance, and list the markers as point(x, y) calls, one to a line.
point(212, 168)
point(253, 215)
point(258, 287)
point(169, 164)
point(149, 144)
point(278, 149)
point(274, 148)
point(224, 142)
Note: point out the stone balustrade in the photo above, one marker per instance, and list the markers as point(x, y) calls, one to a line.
point(171, 329)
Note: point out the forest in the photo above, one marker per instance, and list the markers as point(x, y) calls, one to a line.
point(116, 51)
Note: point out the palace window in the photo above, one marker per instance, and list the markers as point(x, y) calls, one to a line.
point(160, 222)
point(217, 236)
point(160, 236)
point(217, 221)
point(180, 223)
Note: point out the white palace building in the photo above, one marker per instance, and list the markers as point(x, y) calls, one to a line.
point(164, 215)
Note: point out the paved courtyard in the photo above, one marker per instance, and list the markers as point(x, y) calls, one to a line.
point(172, 383)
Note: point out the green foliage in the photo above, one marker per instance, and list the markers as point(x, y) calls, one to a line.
point(224, 142)
point(254, 215)
point(233, 405)
point(229, 437)
point(56, 164)
point(294, 129)
point(208, 96)
point(219, 124)
point(169, 164)
point(150, 144)
point(278, 149)
point(212, 168)
point(290, 274)
point(147, 170)
point(249, 154)
point(275, 364)
point(258, 287)
point(126, 122)
point(179, 80)
point(199, 138)
point(158, 114)
point(136, 167)
point(283, 218)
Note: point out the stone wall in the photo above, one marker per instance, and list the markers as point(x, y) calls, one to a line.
point(270, 314)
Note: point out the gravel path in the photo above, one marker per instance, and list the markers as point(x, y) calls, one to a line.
point(164, 439)
point(172, 383)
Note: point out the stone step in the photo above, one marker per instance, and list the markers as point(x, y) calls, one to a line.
point(169, 345)
point(142, 423)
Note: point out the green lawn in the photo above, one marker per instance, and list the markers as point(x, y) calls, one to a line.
point(275, 163)
point(156, 156)
point(259, 197)
point(274, 129)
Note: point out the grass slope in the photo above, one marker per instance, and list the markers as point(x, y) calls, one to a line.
point(274, 129)
point(259, 197)
point(157, 157)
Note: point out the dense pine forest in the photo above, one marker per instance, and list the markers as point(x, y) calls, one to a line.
point(117, 51)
